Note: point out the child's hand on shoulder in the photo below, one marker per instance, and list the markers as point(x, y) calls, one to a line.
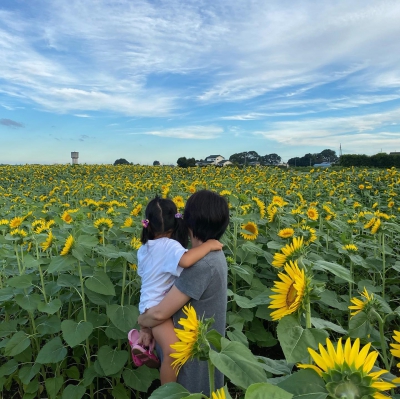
point(214, 245)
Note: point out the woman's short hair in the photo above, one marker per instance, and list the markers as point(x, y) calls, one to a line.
point(207, 215)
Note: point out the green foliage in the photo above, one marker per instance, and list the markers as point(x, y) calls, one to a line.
point(121, 161)
point(184, 162)
point(64, 318)
point(380, 160)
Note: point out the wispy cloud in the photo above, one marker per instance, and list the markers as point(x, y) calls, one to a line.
point(363, 133)
point(82, 115)
point(189, 132)
point(87, 56)
point(11, 123)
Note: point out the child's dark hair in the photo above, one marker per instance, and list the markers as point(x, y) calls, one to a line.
point(163, 217)
point(207, 215)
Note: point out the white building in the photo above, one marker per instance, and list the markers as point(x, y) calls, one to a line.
point(216, 160)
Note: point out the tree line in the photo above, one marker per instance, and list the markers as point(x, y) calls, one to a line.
point(312, 159)
point(381, 160)
point(253, 158)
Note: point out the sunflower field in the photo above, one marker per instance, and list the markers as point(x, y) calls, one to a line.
point(313, 295)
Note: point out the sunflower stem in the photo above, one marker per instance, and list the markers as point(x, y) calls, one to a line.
point(383, 265)
point(124, 266)
point(351, 282)
point(308, 318)
point(18, 261)
point(235, 232)
point(211, 372)
point(41, 274)
point(381, 324)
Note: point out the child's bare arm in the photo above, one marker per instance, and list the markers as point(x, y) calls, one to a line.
point(192, 256)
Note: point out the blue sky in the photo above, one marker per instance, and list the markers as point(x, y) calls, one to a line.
point(156, 80)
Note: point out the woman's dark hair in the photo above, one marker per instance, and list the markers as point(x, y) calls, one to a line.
point(161, 212)
point(207, 215)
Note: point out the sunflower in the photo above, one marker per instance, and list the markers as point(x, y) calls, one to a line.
point(376, 226)
point(271, 211)
point(136, 243)
point(16, 222)
point(68, 245)
point(290, 291)
point(251, 231)
point(261, 206)
point(164, 192)
point(286, 233)
point(370, 223)
point(245, 208)
point(308, 233)
point(128, 222)
point(391, 204)
point(225, 192)
point(395, 351)
point(312, 213)
point(66, 217)
point(218, 394)
point(133, 266)
point(276, 200)
point(178, 201)
point(289, 252)
point(360, 305)
point(47, 243)
point(4, 222)
point(18, 233)
point(136, 210)
point(346, 370)
point(103, 224)
point(350, 247)
point(186, 346)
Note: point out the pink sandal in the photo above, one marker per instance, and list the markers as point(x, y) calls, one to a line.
point(140, 355)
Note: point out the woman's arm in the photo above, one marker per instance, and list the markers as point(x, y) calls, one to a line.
point(172, 302)
point(192, 256)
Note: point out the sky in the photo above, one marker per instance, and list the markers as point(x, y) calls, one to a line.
point(158, 80)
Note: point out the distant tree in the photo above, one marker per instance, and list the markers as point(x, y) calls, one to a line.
point(156, 163)
point(184, 162)
point(191, 162)
point(243, 158)
point(311, 159)
point(270, 159)
point(329, 156)
point(121, 161)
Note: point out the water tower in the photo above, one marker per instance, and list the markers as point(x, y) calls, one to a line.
point(74, 156)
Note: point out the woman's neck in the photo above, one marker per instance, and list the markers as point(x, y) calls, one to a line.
point(195, 241)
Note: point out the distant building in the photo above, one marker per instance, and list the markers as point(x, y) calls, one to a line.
point(210, 160)
point(224, 162)
point(322, 165)
point(74, 156)
point(394, 153)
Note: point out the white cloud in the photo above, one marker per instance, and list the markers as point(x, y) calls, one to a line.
point(361, 133)
point(189, 132)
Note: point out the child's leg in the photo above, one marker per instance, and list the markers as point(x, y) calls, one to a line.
point(164, 335)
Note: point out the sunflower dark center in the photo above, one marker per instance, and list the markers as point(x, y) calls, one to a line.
point(291, 295)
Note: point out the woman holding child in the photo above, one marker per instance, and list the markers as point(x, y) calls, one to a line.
point(203, 284)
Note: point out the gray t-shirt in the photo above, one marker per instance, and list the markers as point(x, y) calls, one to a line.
point(206, 283)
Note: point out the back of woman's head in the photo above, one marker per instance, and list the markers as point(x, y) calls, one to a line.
point(162, 218)
point(207, 215)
